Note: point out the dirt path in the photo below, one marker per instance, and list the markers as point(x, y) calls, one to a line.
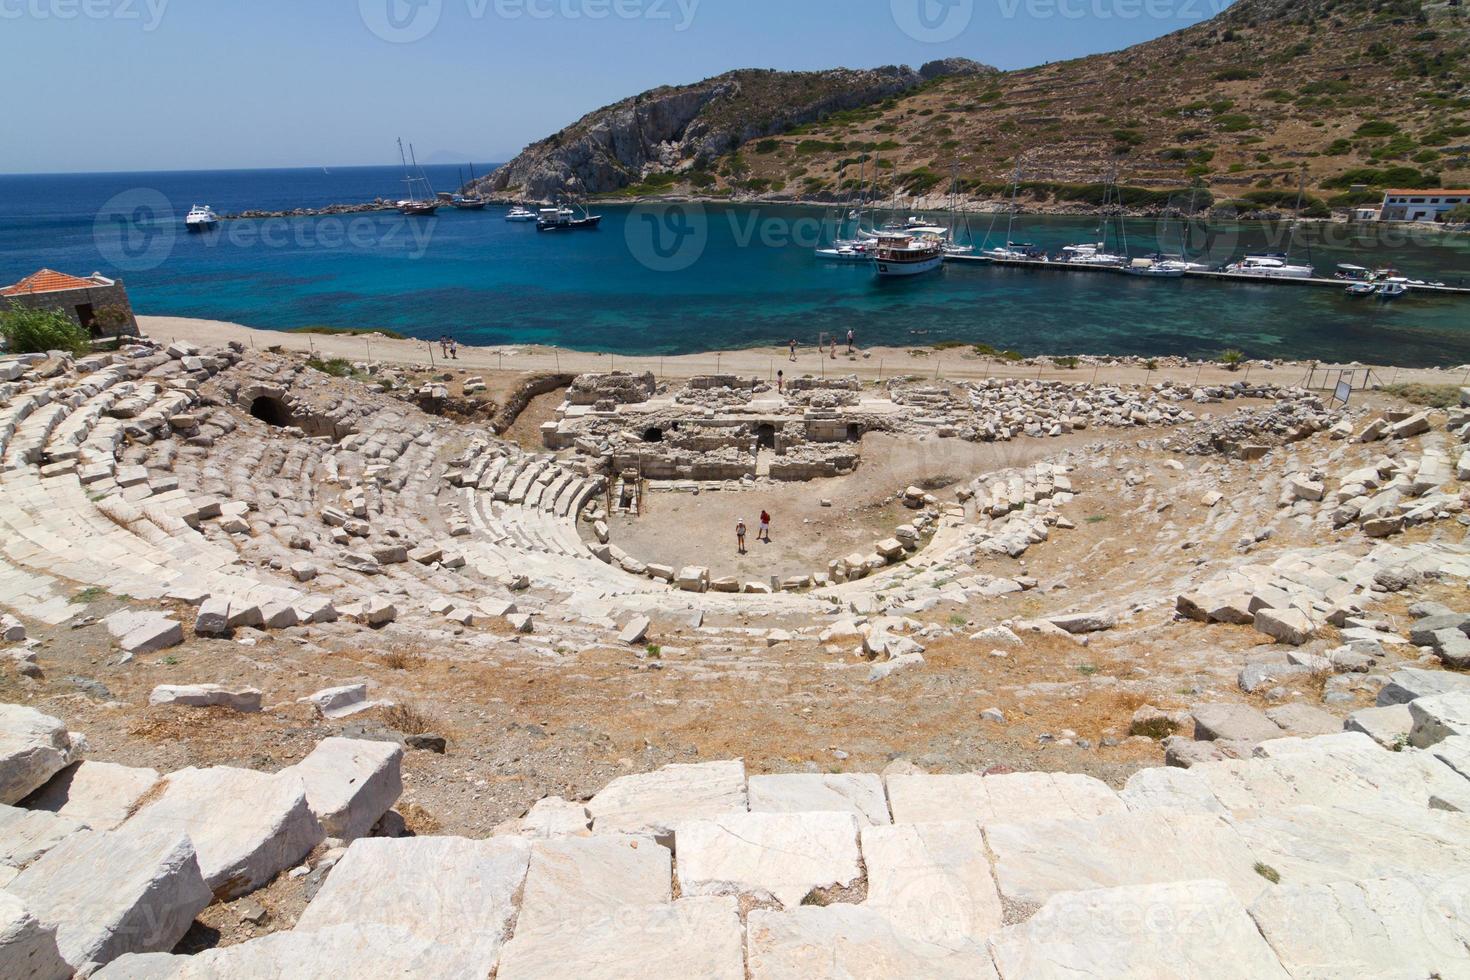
point(874, 364)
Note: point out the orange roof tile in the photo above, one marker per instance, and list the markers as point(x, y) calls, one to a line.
point(47, 281)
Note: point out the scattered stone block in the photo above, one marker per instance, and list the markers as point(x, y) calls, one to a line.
point(341, 702)
point(1304, 720)
point(1438, 717)
point(1413, 682)
point(1389, 725)
point(107, 893)
point(1285, 625)
point(245, 699)
point(33, 748)
point(1232, 723)
point(27, 945)
point(99, 794)
point(270, 826)
point(350, 784)
point(636, 631)
point(144, 632)
point(27, 834)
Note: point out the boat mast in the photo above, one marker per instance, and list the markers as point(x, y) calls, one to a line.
point(422, 176)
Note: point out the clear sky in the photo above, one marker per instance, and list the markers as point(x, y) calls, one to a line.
point(199, 84)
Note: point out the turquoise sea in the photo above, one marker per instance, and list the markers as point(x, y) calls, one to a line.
point(684, 278)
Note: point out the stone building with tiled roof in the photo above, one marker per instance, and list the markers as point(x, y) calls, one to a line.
point(99, 304)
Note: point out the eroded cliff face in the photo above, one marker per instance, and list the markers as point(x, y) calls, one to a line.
point(674, 129)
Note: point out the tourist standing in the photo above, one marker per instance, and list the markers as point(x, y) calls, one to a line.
point(740, 534)
point(834, 347)
point(454, 348)
point(793, 348)
point(780, 382)
point(765, 531)
point(850, 338)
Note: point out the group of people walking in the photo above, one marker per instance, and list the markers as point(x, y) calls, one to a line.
point(763, 534)
point(851, 345)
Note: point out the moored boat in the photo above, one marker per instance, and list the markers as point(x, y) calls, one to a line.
point(1275, 265)
point(1361, 289)
point(1391, 290)
point(201, 217)
point(565, 219)
point(519, 213)
point(906, 255)
point(421, 202)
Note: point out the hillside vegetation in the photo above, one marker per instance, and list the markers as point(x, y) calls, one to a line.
point(1354, 95)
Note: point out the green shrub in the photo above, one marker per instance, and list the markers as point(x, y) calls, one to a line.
point(768, 146)
point(1377, 127)
point(1234, 122)
point(1235, 75)
point(28, 331)
point(337, 367)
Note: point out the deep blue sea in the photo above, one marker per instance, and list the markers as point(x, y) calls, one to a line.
point(670, 280)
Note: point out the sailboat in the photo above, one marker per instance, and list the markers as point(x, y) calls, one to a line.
point(1096, 253)
point(414, 205)
point(469, 202)
point(1278, 265)
point(1011, 250)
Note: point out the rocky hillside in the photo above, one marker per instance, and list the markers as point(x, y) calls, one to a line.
point(681, 130)
point(1359, 94)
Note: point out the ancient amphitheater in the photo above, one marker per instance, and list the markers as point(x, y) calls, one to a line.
point(305, 676)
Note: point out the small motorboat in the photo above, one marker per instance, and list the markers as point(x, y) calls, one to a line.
point(519, 213)
point(1391, 290)
point(1361, 289)
point(1149, 269)
point(845, 253)
point(201, 217)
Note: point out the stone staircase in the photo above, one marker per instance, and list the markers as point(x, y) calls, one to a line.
point(1321, 857)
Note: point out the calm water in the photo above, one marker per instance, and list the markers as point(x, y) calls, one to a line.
point(660, 281)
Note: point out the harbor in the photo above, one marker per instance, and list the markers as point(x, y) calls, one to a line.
point(1231, 277)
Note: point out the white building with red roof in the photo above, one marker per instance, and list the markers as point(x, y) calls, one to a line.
point(99, 304)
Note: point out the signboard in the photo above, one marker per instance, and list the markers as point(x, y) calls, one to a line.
point(1344, 391)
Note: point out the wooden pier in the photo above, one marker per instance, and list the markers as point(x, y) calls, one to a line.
point(1216, 276)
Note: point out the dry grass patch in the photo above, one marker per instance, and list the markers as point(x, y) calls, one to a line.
point(412, 719)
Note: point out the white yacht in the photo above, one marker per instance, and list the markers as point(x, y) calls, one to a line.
point(201, 218)
point(519, 213)
point(1091, 254)
point(1272, 265)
